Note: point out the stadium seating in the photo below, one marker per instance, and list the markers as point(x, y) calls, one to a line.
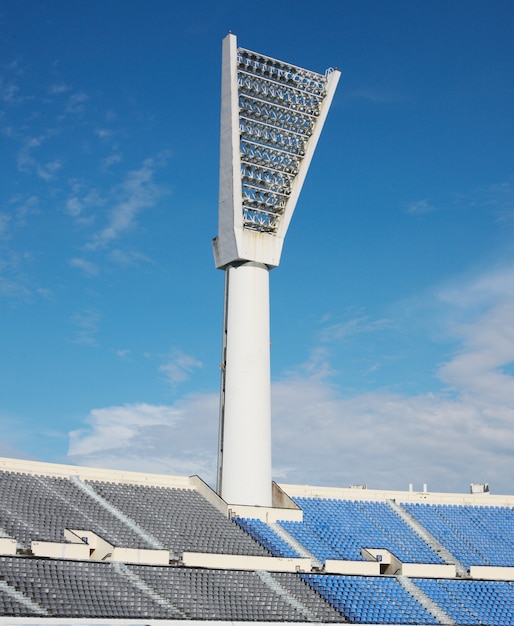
point(370, 600)
point(339, 529)
point(262, 533)
point(472, 602)
point(179, 520)
point(167, 514)
point(475, 535)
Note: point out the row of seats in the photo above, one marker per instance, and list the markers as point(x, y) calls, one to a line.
point(180, 519)
point(40, 508)
point(266, 536)
point(103, 590)
point(370, 599)
point(472, 602)
point(221, 595)
point(339, 529)
point(476, 535)
point(100, 590)
point(77, 589)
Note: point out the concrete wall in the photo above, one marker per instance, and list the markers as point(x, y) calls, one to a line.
point(387, 562)
point(264, 513)
point(55, 550)
point(143, 557)
point(92, 473)
point(98, 548)
point(283, 507)
point(379, 495)
point(352, 568)
point(428, 570)
point(7, 546)
point(482, 572)
point(209, 494)
point(241, 562)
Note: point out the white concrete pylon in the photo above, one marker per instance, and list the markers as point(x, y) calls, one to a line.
point(245, 448)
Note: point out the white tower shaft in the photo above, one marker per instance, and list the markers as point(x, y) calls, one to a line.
point(245, 446)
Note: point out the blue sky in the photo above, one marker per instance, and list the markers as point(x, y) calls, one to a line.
point(392, 311)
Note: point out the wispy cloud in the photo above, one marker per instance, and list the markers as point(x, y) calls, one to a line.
point(58, 88)
point(127, 258)
point(388, 440)
point(137, 192)
point(151, 438)
point(9, 93)
point(496, 198)
point(27, 162)
point(342, 330)
point(87, 267)
point(103, 133)
point(179, 367)
point(86, 323)
point(420, 207)
point(76, 103)
point(111, 160)
point(4, 225)
point(48, 170)
point(13, 281)
point(23, 207)
point(82, 202)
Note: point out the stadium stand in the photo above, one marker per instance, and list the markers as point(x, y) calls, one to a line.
point(340, 528)
point(476, 535)
point(110, 547)
point(167, 513)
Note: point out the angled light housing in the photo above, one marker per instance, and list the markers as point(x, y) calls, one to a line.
point(272, 115)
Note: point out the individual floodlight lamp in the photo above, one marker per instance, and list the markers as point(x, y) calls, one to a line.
point(272, 114)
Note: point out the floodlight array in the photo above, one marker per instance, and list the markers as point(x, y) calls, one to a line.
point(279, 104)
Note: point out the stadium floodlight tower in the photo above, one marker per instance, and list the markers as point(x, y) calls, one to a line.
point(272, 114)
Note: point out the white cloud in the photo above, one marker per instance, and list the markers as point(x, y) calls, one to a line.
point(178, 439)
point(138, 191)
point(24, 207)
point(76, 103)
point(111, 160)
point(341, 330)
point(127, 258)
point(420, 207)
point(449, 439)
point(48, 170)
point(9, 93)
point(4, 224)
point(103, 133)
point(179, 367)
point(58, 88)
point(26, 160)
point(460, 435)
point(88, 267)
point(81, 203)
point(86, 322)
